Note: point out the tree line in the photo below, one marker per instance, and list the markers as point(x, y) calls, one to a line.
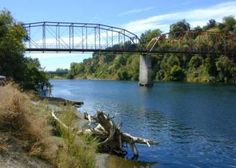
point(213, 67)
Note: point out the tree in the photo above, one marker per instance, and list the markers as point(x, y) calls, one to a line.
point(34, 77)
point(11, 47)
point(176, 73)
point(178, 28)
point(197, 28)
point(224, 66)
point(229, 24)
point(211, 24)
point(195, 62)
point(25, 71)
point(146, 37)
point(209, 63)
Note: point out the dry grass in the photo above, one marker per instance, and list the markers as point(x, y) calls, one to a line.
point(25, 121)
point(32, 125)
point(3, 147)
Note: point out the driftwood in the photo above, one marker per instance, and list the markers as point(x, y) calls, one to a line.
point(109, 135)
point(111, 138)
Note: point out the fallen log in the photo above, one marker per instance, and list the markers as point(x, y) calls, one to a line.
point(109, 135)
point(115, 138)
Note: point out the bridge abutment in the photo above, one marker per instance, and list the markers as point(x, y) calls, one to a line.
point(145, 71)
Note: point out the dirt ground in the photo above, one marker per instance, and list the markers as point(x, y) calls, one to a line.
point(12, 154)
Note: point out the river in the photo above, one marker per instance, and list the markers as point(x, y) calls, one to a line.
point(195, 124)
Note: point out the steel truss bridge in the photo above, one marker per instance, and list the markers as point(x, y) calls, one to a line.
point(91, 37)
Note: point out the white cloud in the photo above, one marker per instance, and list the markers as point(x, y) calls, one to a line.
point(196, 17)
point(135, 11)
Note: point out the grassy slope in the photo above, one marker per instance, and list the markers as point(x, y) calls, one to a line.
point(29, 137)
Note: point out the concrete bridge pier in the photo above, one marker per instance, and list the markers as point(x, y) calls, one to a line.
point(145, 71)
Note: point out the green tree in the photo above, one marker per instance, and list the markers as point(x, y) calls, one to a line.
point(195, 62)
point(11, 47)
point(229, 24)
point(211, 24)
point(176, 73)
point(146, 37)
point(25, 71)
point(34, 76)
point(224, 66)
point(178, 28)
point(123, 75)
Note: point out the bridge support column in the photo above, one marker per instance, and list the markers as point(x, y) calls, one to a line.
point(145, 71)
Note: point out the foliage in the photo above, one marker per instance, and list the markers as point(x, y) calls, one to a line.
point(177, 28)
point(195, 62)
point(60, 73)
point(211, 24)
point(25, 71)
point(146, 37)
point(177, 73)
point(224, 67)
point(228, 25)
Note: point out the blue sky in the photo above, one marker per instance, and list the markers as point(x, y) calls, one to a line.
point(134, 15)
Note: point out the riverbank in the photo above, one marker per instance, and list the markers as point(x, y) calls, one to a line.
point(27, 129)
point(29, 137)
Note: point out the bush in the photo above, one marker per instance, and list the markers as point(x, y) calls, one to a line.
point(195, 62)
point(176, 73)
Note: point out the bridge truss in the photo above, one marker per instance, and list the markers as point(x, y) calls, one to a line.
point(91, 37)
point(84, 37)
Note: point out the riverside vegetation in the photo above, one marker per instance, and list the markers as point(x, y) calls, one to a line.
point(26, 71)
point(166, 67)
point(30, 137)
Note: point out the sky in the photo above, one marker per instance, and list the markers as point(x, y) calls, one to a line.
point(136, 16)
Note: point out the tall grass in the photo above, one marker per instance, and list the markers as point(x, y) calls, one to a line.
point(78, 151)
point(26, 121)
point(31, 124)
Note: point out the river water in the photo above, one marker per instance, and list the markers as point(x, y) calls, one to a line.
point(195, 124)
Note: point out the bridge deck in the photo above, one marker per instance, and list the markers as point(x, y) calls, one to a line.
point(127, 51)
